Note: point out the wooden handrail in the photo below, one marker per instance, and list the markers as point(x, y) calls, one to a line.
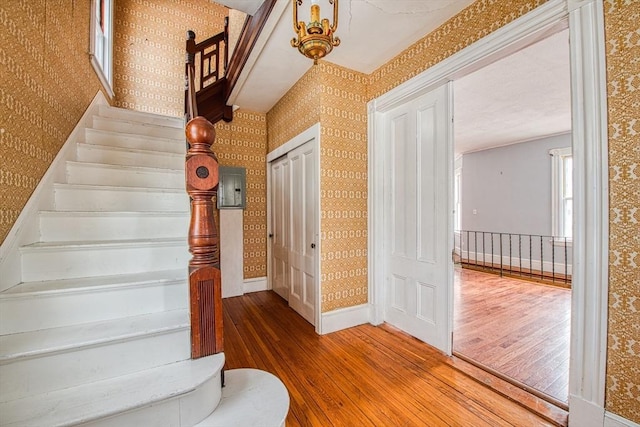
point(251, 29)
point(205, 285)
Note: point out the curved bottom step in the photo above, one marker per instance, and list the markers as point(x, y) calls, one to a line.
point(250, 397)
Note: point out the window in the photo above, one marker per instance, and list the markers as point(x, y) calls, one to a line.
point(562, 192)
point(102, 41)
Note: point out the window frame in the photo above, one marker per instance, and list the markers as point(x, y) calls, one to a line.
point(101, 40)
point(558, 197)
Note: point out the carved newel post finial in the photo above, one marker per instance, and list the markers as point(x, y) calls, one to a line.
point(201, 173)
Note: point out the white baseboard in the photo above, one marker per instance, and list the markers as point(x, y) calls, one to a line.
point(613, 420)
point(583, 413)
point(26, 229)
point(256, 284)
point(344, 318)
point(515, 262)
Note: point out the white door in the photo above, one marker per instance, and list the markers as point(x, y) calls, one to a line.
point(417, 229)
point(302, 254)
point(279, 238)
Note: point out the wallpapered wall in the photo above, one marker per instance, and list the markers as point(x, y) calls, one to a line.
point(44, 47)
point(335, 97)
point(242, 143)
point(622, 36)
point(149, 51)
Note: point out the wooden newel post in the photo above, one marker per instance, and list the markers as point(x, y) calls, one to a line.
point(205, 285)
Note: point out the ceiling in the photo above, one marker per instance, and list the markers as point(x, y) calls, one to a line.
point(521, 97)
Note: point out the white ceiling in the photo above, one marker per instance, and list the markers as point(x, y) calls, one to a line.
point(521, 97)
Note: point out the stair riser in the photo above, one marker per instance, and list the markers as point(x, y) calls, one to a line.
point(89, 261)
point(58, 309)
point(96, 154)
point(81, 365)
point(75, 227)
point(117, 200)
point(120, 114)
point(112, 139)
point(89, 174)
point(111, 125)
point(184, 411)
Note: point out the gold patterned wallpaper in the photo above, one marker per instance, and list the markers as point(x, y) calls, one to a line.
point(44, 47)
point(243, 143)
point(335, 97)
point(622, 36)
point(149, 50)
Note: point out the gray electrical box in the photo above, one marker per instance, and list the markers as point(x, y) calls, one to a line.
point(232, 187)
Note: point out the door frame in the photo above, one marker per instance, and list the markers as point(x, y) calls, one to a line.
point(587, 371)
point(310, 134)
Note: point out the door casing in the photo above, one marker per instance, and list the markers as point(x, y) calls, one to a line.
point(589, 134)
point(311, 134)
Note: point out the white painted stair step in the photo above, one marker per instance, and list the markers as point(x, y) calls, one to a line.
point(140, 116)
point(251, 398)
point(92, 153)
point(177, 394)
point(50, 359)
point(138, 142)
point(57, 303)
point(65, 260)
point(77, 197)
point(126, 176)
point(56, 226)
point(127, 126)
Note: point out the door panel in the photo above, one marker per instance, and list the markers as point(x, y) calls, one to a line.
point(302, 254)
point(280, 227)
point(417, 296)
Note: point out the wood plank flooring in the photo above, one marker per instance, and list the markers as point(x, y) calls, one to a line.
point(518, 328)
point(362, 376)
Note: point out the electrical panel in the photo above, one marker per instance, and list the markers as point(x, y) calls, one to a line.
point(232, 188)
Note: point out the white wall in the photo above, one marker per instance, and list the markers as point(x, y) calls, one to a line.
point(510, 187)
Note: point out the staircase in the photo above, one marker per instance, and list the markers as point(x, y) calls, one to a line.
point(98, 333)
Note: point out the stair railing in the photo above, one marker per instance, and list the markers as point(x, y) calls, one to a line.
point(528, 256)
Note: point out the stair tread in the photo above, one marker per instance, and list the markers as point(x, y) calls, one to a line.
point(132, 121)
point(83, 283)
point(119, 187)
point(177, 122)
point(103, 398)
point(67, 338)
point(126, 167)
point(132, 150)
point(148, 214)
point(250, 397)
point(104, 243)
point(135, 136)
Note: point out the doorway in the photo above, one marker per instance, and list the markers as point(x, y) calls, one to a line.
point(588, 338)
point(293, 224)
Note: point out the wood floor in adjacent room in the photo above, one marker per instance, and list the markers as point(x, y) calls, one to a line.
point(362, 376)
point(516, 327)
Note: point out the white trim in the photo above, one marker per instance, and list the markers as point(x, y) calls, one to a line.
point(255, 284)
point(106, 79)
point(515, 262)
point(310, 134)
point(583, 413)
point(26, 229)
point(558, 156)
point(613, 420)
point(344, 318)
point(589, 297)
point(589, 309)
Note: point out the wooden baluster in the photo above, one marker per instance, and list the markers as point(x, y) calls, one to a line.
point(190, 106)
point(205, 285)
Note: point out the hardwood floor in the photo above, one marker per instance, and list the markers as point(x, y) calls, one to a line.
point(518, 328)
point(362, 376)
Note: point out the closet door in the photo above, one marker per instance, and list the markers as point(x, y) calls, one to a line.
point(280, 226)
point(303, 214)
